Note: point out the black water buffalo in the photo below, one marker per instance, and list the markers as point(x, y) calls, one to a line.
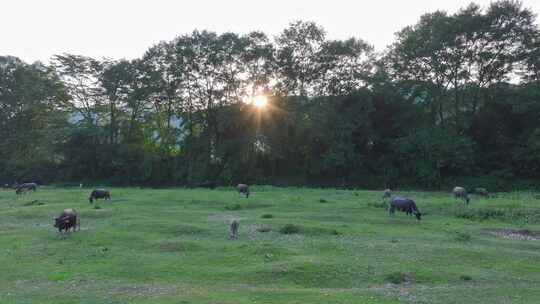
point(99, 193)
point(243, 189)
point(67, 220)
point(404, 204)
point(22, 188)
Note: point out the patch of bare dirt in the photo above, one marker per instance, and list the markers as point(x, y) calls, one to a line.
point(515, 234)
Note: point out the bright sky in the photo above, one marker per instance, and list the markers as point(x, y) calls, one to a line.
point(37, 29)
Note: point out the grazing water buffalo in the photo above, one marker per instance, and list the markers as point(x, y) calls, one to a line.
point(243, 189)
point(460, 192)
point(233, 230)
point(99, 193)
point(22, 188)
point(406, 205)
point(67, 220)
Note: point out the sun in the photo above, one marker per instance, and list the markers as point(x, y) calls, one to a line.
point(260, 101)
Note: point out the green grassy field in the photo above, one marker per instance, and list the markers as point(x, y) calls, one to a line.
point(171, 246)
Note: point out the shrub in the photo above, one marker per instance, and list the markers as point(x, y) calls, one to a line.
point(290, 229)
point(322, 200)
point(465, 277)
point(267, 216)
point(396, 278)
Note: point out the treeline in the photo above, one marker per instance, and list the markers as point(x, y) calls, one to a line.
point(456, 95)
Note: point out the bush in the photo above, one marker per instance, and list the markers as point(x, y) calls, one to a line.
point(267, 216)
point(335, 232)
point(322, 200)
point(290, 229)
point(465, 277)
point(396, 278)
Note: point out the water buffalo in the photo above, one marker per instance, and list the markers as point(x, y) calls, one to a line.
point(406, 205)
point(243, 189)
point(22, 188)
point(67, 220)
point(233, 230)
point(99, 193)
point(460, 192)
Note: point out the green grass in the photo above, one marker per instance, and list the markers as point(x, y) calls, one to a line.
point(171, 246)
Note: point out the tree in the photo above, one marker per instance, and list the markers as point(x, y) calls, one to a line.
point(32, 119)
point(448, 61)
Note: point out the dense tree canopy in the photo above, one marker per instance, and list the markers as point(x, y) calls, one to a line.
point(457, 95)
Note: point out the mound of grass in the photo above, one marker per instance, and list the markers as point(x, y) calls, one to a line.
point(318, 231)
point(264, 229)
point(509, 214)
point(480, 214)
point(396, 278)
point(187, 229)
point(290, 229)
point(311, 231)
point(234, 207)
point(267, 216)
point(176, 246)
point(311, 275)
point(381, 205)
point(462, 237)
point(59, 276)
point(270, 249)
point(253, 205)
point(465, 277)
point(34, 203)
